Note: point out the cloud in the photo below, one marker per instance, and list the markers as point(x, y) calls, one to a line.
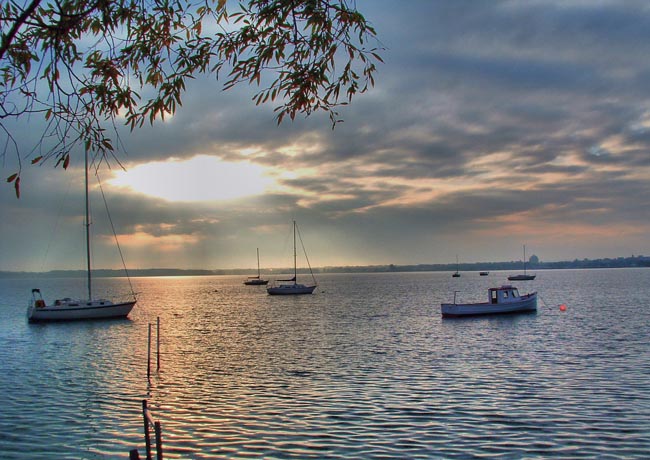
point(491, 124)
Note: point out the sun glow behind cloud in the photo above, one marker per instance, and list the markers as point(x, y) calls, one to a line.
point(201, 178)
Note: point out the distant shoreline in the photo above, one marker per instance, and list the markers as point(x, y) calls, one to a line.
point(620, 262)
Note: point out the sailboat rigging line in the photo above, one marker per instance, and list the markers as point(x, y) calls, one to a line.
point(117, 243)
point(305, 252)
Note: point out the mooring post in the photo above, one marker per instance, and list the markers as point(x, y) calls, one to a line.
point(158, 345)
point(158, 431)
point(147, 438)
point(149, 354)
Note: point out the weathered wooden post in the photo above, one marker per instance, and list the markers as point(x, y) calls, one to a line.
point(149, 421)
point(147, 438)
point(158, 345)
point(158, 431)
point(149, 354)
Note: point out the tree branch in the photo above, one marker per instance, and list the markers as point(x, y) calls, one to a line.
point(9, 36)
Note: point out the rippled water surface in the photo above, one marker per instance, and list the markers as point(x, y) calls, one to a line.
point(365, 368)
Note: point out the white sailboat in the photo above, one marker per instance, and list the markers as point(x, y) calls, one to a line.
point(68, 309)
point(291, 286)
point(256, 280)
point(525, 276)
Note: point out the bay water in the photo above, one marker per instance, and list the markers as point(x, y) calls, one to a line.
point(365, 368)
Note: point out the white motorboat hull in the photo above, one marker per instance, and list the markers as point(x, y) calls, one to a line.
point(290, 289)
point(71, 311)
point(525, 303)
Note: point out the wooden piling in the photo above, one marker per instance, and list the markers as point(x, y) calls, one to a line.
point(158, 344)
point(149, 354)
point(148, 422)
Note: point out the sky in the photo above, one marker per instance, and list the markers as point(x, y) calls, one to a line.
point(492, 124)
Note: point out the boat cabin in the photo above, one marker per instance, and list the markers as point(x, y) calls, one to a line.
point(503, 294)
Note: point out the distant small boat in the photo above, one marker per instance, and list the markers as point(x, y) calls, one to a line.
point(293, 287)
point(504, 299)
point(456, 275)
point(484, 273)
point(520, 277)
point(68, 309)
point(256, 280)
point(524, 276)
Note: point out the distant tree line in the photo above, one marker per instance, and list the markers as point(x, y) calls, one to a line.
point(533, 264)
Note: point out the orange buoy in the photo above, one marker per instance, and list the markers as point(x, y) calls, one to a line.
point(563, 307)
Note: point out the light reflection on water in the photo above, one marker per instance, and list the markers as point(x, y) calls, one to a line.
point(364, 368)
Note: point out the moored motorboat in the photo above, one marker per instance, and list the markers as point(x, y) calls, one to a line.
point(504, 299)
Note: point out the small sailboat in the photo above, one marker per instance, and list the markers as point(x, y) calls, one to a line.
point(525, 276)
point(457, 274)
point(67, 309)
point(256, 280)
point(291, 286)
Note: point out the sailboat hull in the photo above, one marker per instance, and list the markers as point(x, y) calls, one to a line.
point(72, 311)
point(256, 282)
point(521, 277)
point(290, 289)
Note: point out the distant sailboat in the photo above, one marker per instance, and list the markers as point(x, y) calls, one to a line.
point(456, 275)
point(256, 280)
point(291, 286)
point(525, 276)
point(68, 309)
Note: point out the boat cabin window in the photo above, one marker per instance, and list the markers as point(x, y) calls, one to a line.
point(505, 294)
point(515, 293)
point(494, 298)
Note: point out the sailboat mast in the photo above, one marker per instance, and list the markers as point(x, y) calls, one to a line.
point(87, 229)
point(258, 262)
point(524, 259)
point(295, 266)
